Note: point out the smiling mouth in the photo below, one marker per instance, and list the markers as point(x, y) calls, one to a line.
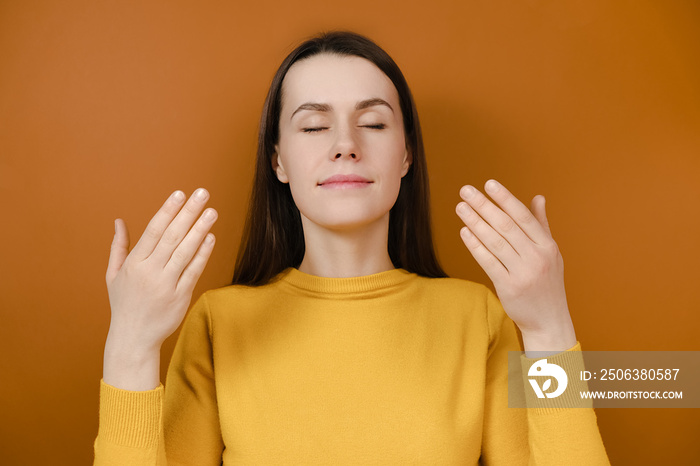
point(345, 184)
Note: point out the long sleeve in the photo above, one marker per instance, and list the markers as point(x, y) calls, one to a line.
point(190, 411)
point(130, 427)
point(534, 436)
point(179, 421)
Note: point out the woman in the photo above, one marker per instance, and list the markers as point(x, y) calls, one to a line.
point(341, 341)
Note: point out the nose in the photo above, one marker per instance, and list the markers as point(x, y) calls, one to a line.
point(345, 145)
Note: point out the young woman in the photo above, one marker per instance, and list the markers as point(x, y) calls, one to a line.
point(341, 340)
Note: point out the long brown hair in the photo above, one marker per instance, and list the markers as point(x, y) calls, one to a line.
point(273, 237)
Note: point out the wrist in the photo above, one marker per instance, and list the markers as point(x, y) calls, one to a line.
point(552, 340)
point(131, 367)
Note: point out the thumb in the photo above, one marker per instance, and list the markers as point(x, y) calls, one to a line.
point(538, 210)
point(119, 249)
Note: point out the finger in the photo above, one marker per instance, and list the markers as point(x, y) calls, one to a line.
point(178, 228)
point(187, 249)
point(487, 236)
point(155, 228)
point(499, 220)
point(537, 206)
point(194, 269)
point(491, 265)
point(518, 212)
point(119, 249)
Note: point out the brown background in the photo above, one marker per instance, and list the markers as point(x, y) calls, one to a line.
point(107, 107)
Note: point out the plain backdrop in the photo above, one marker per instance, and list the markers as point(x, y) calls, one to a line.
point(107, 107)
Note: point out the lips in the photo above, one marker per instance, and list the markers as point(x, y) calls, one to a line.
point(345, 179)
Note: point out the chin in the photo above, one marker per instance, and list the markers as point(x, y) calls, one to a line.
point(344, 220)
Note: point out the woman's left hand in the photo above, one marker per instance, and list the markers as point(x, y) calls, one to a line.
point(514, 246)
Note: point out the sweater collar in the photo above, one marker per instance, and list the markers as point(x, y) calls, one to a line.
point(331, 285)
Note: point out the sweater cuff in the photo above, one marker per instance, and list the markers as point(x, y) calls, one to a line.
point(571, 361)
point(130, 418)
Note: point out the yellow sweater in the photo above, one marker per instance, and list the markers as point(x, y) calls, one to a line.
point(386, 369)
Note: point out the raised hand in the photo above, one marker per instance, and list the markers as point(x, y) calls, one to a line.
point(514, 246)
point(150, 288)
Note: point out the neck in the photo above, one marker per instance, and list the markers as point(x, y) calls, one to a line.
point(352, 252)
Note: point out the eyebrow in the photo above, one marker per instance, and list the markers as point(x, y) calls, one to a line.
point(318, 107)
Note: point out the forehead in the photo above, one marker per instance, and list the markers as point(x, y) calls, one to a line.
point(335, 79)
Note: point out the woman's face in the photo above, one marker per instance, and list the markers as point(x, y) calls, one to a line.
point(340, 116)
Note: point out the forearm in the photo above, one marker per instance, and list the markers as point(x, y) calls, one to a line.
point(563, 429)
point(130, 430)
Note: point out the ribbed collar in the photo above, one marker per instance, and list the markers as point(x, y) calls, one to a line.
point(353, 285)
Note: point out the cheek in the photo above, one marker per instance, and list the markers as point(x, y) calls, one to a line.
point(295, 160)
point(393, 153)
point(298, 166)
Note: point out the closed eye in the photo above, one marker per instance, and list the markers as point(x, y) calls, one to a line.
point(321, 128)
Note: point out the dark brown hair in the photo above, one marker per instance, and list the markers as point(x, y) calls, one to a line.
point(273, 237)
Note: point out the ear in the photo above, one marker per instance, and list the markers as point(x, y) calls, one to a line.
point(278, 167)
point(407, 161)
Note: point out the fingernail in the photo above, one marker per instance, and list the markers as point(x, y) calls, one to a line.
point(178, 196)
point(492, 185)
point(208, 214)
point(468, 192)
point(200, 194)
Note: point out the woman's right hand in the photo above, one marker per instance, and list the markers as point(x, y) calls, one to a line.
point(150, 288)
